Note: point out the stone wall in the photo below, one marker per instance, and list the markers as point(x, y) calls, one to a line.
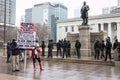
point(96, 35)
point(93, 36)
point(72, 38)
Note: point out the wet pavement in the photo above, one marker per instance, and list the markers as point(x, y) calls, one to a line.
point(59, 71)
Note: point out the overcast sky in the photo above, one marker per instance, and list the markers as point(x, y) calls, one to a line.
point(95, 6)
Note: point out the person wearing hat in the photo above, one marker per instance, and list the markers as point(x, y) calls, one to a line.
point(36, 56)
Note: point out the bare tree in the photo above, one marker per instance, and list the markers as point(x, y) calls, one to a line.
point(1, 34)
point(10, 33)
point(43, 32)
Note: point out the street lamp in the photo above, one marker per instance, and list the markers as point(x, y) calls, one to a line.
point(4, 46)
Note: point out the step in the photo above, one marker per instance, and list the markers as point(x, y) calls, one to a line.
point(94, 62)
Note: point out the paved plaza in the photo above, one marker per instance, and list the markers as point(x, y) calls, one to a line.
point(59, 71)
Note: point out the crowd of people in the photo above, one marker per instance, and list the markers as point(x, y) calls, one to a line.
point(16, 53)
point(102, 50)
point(63, 48)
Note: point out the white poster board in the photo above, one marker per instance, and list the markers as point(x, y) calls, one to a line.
point(26, 39)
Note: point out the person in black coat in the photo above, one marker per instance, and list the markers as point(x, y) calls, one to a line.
point(115, 44)
point(9, 51)
point(78, 46)
point(108, 47)
point(58, 45)
point(50, 48)
point(64, 48)
point(116, 48)
point(97, 49)
point(68, 48)
point(15, 56)
point(43, 48)
point(102, 48)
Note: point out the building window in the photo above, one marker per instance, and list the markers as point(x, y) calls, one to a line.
point(66, 29)
point(60, 27)
point(72, 27)
point(115, 27)
point(99, 27)
point(78, 26)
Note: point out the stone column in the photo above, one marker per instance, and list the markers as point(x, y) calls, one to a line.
point(109, 30)
point(102, 27)
point(95, 28)
point(4, 49)
point(118, 2)
point(84, 38)
point(118, 31)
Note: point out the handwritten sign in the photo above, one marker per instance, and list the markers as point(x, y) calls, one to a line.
point(26, 39)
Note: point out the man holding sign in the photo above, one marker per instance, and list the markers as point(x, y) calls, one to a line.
point(27, 40)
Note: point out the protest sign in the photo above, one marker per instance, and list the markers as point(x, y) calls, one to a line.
point(26, 39)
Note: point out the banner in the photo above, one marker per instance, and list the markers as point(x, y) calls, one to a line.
point(26, 39)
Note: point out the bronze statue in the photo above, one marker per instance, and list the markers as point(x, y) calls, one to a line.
point(84, 13)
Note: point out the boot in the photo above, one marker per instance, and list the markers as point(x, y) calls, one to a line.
point(34, 65)
point(40, 64)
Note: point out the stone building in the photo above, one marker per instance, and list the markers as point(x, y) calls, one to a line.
point(109, 23)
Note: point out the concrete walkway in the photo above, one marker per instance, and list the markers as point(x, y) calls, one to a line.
point(59, 71)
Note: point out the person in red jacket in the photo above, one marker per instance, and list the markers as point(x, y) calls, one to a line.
point(36, 56)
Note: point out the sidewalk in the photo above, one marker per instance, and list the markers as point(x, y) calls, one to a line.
point(54, 70)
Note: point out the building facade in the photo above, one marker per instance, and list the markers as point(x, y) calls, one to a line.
point(28, 15)
point(60, 11)
point(109, 23)
point(118, 2)
point(41, 13)
point(46, 13)
point(60, 14)
point(112, 10)
point(10, 11)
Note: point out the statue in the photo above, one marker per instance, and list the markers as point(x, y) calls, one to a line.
point(84, 13)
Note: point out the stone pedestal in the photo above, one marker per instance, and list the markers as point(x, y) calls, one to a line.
point(84, 38)
point(116, 55)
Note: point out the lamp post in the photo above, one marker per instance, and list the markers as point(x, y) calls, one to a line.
point(4, 46)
